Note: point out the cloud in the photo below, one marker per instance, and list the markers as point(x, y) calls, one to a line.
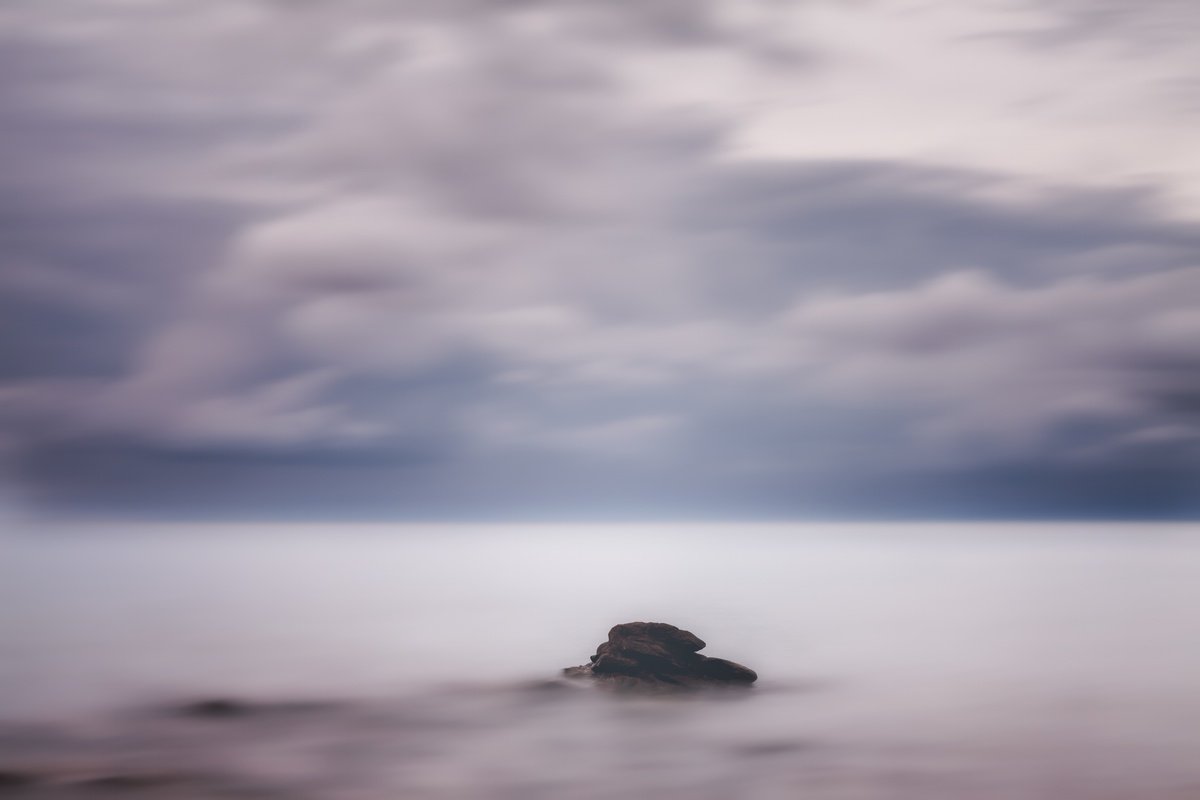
point(311, 301)
point(998, 367)
point(1138, 26)
point(403, 255)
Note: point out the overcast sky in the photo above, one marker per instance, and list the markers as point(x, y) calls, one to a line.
point(589, 259)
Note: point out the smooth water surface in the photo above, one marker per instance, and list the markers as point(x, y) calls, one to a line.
point(896, 661)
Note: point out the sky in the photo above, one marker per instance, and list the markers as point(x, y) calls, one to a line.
point(523, 259)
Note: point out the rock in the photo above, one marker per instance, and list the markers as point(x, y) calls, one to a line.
point(227, 708)
point(655, 655)
point(216, 708)
point(16, 779)
point(132, 781)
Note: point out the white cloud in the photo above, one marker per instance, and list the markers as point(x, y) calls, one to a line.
point(953, 84)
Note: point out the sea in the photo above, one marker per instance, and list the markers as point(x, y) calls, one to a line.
point(316, 661)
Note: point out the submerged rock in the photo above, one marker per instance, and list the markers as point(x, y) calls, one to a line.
point(216, 708)
point(655, 655)
point(227, 708)
point(16, 779)
point(133, 781)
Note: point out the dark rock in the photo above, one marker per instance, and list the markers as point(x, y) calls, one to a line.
point(132, 781)
point(655, 655)
point(225, 708)
point(718, 669)
point(12, 779)
point(216, 708)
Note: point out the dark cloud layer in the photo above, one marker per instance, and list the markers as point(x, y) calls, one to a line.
point(458, 260)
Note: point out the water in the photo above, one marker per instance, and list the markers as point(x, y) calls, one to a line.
point(896, 661)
